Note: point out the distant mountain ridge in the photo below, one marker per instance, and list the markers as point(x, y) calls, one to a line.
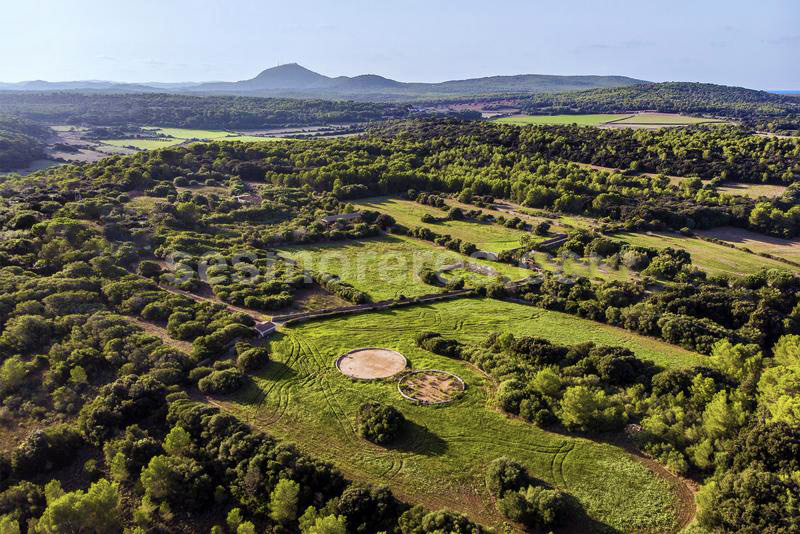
point(293, 80)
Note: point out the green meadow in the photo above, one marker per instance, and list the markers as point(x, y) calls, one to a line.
point(711, 257)
point(440, 461)
point(142, 144)
point(583, 120)
point(489, 237)
point(177, 136)
point(665, 119)
point(386, 267)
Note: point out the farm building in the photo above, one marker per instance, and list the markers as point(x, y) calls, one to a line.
point(248, 198)
point(343, 218)
point(264, 329)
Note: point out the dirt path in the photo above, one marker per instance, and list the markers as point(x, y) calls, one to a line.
point(159, 332)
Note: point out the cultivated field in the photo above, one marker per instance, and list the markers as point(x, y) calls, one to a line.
point(177, 136)
point(613, 120)
point(711, 257)
point(663, 119)
point(582, 120)
point(440, 461)
point(782, 248)
point(385, 267)
point(142, 144)
point(489, 237)
point(752, 190)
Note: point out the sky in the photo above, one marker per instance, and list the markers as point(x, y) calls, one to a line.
point(754, 43)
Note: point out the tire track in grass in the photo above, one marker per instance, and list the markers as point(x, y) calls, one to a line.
point(330, 398)
point(394, 460)
point(280, 385)
point(512, 445)
point(558, 463)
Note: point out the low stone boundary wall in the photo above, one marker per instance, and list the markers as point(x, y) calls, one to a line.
point(552, 242)
point(374, 306)
point(472, 267)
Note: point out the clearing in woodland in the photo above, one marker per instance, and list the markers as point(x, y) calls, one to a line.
point(441, 457)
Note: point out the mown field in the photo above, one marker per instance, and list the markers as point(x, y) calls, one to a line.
point(177, 136)
point(440, 461)
point(752, 190)
point(488, 237)
point(711, 257)
point(615, 119)
point(583, 120)
point(385, 267)
point(740, 188)
point(782, 248)
point(668, 119)
point(142, 144)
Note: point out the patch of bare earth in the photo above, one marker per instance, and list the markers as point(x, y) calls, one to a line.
point(371, 364)
point(431, 387)
point(313, 299)
point(14, 431)
point(161, 333)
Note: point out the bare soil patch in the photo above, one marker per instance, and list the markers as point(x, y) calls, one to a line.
point(371, 363)
point(431, 387)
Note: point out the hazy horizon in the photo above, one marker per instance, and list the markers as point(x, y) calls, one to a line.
point(728, 43)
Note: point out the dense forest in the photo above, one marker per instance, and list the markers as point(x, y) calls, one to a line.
point(114, 440)
point(119, 435)
point(21, 142)
point(669, 97)
point(182, 111)
point(722, 153)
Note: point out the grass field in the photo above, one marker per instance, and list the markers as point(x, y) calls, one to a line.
point(583, 120)
point(186, 133)
point(616, 119)
point(739, 188)
point(713, 258)
point(488, 237)
point(142, 144)
point(752, 190)
point(783, 248)
point(177, 136)
point(667, 119)
point(144, 203)
point(440, 461)
point(385, 267)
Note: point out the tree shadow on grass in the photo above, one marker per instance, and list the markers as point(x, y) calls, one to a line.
point(577, 521)
point(252, 393)
point(419, 440)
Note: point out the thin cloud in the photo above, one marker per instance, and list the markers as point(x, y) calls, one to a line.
point(785, 40)
point(633, 44)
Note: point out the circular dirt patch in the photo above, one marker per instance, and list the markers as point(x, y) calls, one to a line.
point(430, 387)
point(371, 364)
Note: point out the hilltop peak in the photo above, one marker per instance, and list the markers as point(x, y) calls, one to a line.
point(288, 75)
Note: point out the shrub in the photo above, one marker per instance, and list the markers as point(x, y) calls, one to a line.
point(198, 373)
point(534, 506)
point(542, 228)
point(149, 269)
point(252, 359)
point(588, 410)
point(417, 520)
point(381, 424)
point(45, 450)
point(504, 474)
point(438, 345)
point(221, 382)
